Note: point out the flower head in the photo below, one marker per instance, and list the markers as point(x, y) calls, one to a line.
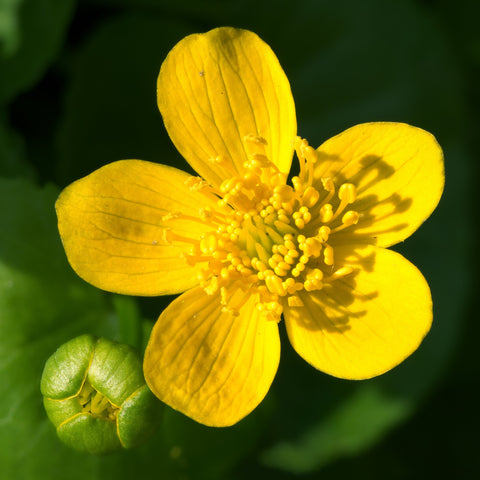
point(248, 247)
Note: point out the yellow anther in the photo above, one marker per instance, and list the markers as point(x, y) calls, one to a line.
point(258, 265)
point(340, 273)
point(211, 286)
point(299, 223)
point(297, 185)
point(278, 178)
point(305, 214)
point(228, 185)
point(347, 192)
point(291, 246)
point(326, 213)
point(272, 263)
point(328, 184)
point(313, 280)
point(246, 259)
point(289, 259)
point(278, 258)
point(310, 197)
point(209, 243)
point(244, 271)
point(231, 311)
point(293, 253)
point(275, 307)
point(313, 247)
point(350, 218)
point(274, 284)
point(294, 301)
point(328, 255)
point(300, 267)
point(295, 272)
point(225, 273)
point(284, 192)
point(323, 233)
point(171, 216)
point(281, 272)
point(194, 183)
point(315, 274)
point(236, 261)
point(284, 265)
point(255, 139)
point(205, 213)
point(311, 154)
point(260, 160)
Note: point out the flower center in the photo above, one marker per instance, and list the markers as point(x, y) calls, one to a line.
point(96, 404)
point(270, 238)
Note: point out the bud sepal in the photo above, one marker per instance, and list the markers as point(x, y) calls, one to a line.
point(96, 396)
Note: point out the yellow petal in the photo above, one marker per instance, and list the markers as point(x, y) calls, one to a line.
point(367, 322)
point(209, 364)
point(112, 224)
point(216, 88)
point(399, 175)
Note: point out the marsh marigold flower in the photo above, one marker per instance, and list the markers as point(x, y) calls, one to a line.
point(249, 248)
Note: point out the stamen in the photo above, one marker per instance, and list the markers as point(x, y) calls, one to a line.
point(255, 139)
point(269, 238)
point(328, 255)
point(349, 219)
point(181, 216)
point(310, 197)
point(225, 163)
point(197, 184)
point(346, 194)
point(340, 273)
point(169, 237)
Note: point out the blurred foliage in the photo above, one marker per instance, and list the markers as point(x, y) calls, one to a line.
point(77, 91)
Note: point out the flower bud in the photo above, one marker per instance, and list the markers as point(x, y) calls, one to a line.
point(95, 395)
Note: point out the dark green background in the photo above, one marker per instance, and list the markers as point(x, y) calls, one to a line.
point(77, 91)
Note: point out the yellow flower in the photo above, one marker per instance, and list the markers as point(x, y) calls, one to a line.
point(247, 247)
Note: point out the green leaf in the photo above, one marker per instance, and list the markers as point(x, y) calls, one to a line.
point(204, 453)
point(9, 28)
point(129, 321)
point(34, 31)
point(42, 305)
point(349, 429)
point(12, 154)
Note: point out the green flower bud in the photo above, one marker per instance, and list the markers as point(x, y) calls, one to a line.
point(95, 395)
